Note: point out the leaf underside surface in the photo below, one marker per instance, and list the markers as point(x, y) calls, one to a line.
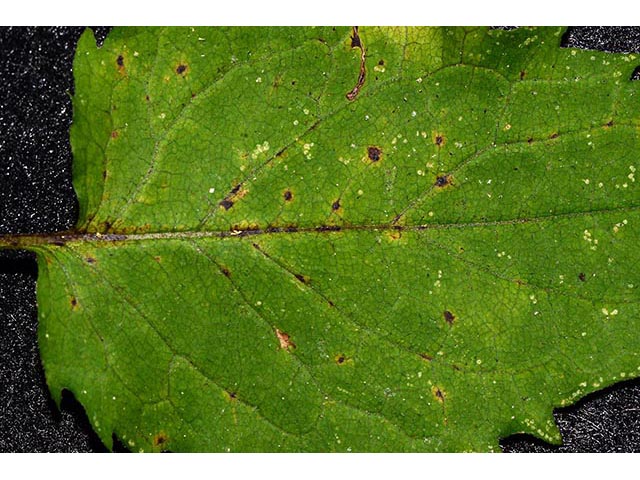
point(318, 239)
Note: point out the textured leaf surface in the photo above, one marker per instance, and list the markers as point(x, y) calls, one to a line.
point(264, 264)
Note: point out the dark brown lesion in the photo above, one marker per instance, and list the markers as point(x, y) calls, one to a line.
point(449, 317)
point(374, 153)
point(356, 42)
point(442, 181)
point(181, 69)
point(159, 439)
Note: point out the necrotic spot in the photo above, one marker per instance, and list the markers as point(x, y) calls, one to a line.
point(374, 153)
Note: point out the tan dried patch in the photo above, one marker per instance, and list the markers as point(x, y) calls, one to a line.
point(285, 340)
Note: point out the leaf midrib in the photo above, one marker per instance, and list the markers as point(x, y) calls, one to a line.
point(31, 241)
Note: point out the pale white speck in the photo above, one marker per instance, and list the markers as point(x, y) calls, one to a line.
point(258, 303)
point(212, 190)
point(135, 54)
point(305, 111)
point(162, 116)
point(296, 122)
point(259, 80)
point(413, 114)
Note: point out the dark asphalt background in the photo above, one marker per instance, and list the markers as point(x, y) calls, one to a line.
point(36, 196)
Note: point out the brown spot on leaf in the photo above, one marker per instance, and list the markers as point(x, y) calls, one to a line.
point(609, 124)
point(231, 395)
point(328, 228)
point(157, 259)
point(226, 204)
point(449, 317)
point(146, 97)
point(374, 154)
point(159, 439)
point(288, 196)
point(302, 278)
point(553, 135)
point(74, 303)
point(90, 260)
point(582, 277)
point(225, 271)
point(341, 359)
point(357, 43)
point(442, 181)
point(438, 393)
point(285, 340)
point(381, 62)
point(530, 140)
point(115, 134)
point(523, 73)
point(335, 205)
point(181, 69)
point(120, 61)
point(438, 139)
point(426, 357)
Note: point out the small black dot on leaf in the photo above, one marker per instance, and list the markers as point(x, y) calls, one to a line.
point(180, 69)
point(288, 196)
point(335, 205)
point(120, 61)
point(582, 277)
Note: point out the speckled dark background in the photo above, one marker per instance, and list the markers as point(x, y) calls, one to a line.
point(36, 196)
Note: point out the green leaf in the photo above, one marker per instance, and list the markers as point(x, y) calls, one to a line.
point(317, 239)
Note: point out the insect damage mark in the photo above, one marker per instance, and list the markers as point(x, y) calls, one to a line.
point(285, 340)
point(357, 43)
